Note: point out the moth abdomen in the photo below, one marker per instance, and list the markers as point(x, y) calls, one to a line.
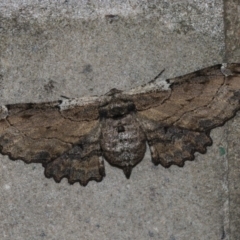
point(123, 142)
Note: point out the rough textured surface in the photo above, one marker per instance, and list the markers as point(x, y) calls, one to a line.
point(76, 48)
point(232, 30)
point(234, 176)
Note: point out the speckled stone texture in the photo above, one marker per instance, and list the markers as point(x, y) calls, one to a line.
point(234, 176)
point(76, 48)
point(232, 29)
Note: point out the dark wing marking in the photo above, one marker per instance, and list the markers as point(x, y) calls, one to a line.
point(80, 164)
point(196, 103)
point(43, 132)
point(172, 145)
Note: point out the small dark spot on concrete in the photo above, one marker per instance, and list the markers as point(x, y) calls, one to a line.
point(49, 86)
point(184, 27)
point(112, 18)
point(87, 69)
point(42, 234)
point(172, 238)
point(97, 225)
point(167, 179)
point(151, 234)
point(87, 220)
point(152, 194)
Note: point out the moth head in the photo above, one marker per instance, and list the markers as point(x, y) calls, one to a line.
point(116, 108)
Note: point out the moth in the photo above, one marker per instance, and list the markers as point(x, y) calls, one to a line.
point(73, 137)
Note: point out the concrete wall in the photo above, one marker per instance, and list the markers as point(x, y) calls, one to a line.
point(76, 48)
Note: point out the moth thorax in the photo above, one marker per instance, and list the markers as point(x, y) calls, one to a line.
point(116, 108)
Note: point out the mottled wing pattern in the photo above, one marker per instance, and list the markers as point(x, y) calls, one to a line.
point(45, 133)
point(173, 145)
point(80, 164)
point(196, 103)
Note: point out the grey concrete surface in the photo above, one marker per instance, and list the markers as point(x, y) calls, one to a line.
point(232, 30)
point(80, 49)
point(234, 176)
point(77, 48)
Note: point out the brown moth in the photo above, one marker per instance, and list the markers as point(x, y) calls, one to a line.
point(72, 137)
